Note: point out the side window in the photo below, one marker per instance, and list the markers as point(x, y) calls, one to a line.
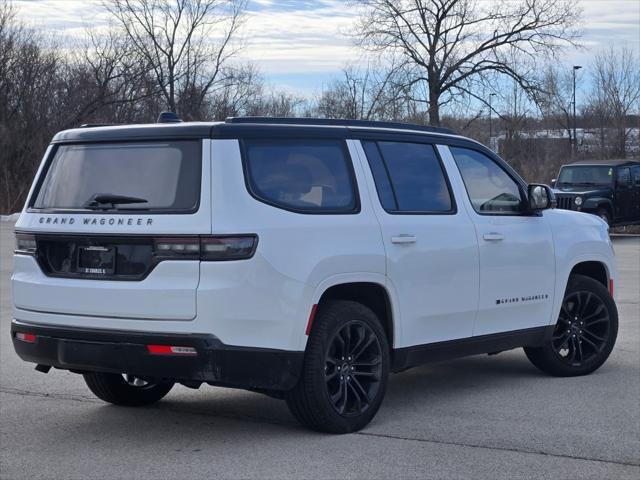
point(409, 177)
point(491, 190)
point(623, 177)
point(635, 173)
point(312, 175)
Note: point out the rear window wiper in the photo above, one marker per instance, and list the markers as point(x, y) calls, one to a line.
point(108, 201)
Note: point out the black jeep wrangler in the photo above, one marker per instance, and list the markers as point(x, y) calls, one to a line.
point(607, 188)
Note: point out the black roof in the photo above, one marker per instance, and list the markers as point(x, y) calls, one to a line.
point(238, 126)
point(609, 163)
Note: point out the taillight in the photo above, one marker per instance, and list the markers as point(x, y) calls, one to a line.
point(25, 244)
point(178, 248)
point(211, 248)
point(236, 247)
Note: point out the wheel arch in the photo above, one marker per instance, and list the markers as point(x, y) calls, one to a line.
point(370, 293)
point(594, 269)
point(599, 267)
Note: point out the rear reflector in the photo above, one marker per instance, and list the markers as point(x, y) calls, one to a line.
point(312, 317)
point(611, 286)
point(171, 350)
point(26, 337)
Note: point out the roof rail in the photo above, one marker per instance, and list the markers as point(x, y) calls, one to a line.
point(93, 125)
point(338, 123)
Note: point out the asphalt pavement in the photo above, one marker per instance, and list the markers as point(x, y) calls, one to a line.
point(477, 417)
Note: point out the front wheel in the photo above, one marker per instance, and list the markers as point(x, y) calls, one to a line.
point(585, 333)
point(127, 390)
point(345, 370)
point(604, 215)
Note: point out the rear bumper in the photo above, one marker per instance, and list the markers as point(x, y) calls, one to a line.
point(84, 350)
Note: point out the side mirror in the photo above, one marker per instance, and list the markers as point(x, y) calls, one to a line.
point(540, 197)
point(553, 182)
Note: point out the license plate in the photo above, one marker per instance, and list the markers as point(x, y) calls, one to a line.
point(96, 260)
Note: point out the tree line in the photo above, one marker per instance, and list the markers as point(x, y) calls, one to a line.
point(472, 66)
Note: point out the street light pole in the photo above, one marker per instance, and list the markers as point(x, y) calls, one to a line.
point(575, 138)
point(491, 95)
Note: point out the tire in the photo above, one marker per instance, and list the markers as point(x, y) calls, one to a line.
point(603, 213)
point(358, 395)
point(113, 388)
point(585, 333)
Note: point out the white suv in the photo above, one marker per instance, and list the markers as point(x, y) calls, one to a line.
point(300, 258)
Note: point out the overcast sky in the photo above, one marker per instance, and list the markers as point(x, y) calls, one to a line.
point(300, 44)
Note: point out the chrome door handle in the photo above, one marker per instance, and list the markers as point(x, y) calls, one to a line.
point(493, 237)
point(404, 238)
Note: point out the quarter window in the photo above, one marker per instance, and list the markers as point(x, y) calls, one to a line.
point(409, 177)
point(301, 175)
point(491, 190)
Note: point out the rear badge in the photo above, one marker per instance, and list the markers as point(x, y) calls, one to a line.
point(137, 221)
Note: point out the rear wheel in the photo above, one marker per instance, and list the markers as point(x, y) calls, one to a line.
point(585, 333)
point(345, 370)
point(127, 390)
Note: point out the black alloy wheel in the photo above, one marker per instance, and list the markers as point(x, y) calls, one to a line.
point(353, 368)
point(345, 370)
point(127, 390)
point(584, 334)
point(583, 328)
point(604, 215)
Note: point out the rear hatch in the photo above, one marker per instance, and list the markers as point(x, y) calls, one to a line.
point(115, 228)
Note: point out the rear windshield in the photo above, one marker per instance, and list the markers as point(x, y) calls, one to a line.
point(123, 176)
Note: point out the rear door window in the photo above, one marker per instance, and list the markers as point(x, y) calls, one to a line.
point(162, 176)
point(409, 177)
point(307, 176)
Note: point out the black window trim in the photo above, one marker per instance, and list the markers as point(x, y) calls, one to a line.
point(454, 206)
point(49, 160)
point(507, 169)
point(349, 163)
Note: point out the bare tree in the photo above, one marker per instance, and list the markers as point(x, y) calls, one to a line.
point(276, 104)
point(358, 94)
point(185, 43)
point(553, 98)
point(448, 44)
point(242, 87)
point(28, 76)
point(375, 92)
point(104, 81)
point(616, 92)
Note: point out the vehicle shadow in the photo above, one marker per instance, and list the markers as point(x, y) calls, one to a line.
point(436, 384)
